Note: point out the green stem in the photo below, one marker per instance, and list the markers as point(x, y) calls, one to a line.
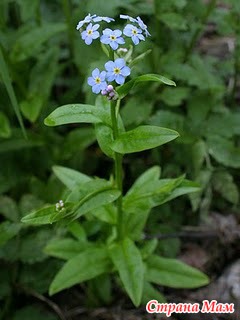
point(209, 9)
point(118, 169)
point(111, 54)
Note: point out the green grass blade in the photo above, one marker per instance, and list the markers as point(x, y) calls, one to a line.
point(7, 81)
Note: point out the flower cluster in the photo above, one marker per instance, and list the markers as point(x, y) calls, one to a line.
point(137, 31)
point(60, 205)
point(115, 71)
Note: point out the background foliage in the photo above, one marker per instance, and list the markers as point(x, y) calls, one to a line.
point(43, 64)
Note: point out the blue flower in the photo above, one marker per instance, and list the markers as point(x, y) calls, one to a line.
point(143, 26)
point(126, 17)
point(87, 19)
point(90, 33)
point(112, 37)
point(134, 33)
point(97, 81)
point(106, 19)
point(117, 70)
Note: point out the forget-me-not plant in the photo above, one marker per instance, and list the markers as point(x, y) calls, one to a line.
point(118, 245)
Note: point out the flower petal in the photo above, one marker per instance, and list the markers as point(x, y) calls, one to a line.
point(105, 39)
point(120, 79)
point(96, 88)
point(117, 33)
point(88, 40)
point(120, 62)
point(114, 45)
point(120, 40)
point(125, 71)
point(91, 81)
point(95, 27)
point(95, 35)
point(109, 65)
point(95, 73)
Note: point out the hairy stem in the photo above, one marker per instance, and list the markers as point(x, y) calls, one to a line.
point(118, 169)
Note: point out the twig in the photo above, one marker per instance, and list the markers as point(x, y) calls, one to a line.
point(49, 302)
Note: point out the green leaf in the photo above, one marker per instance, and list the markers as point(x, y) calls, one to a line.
point(42, 75)
point(225, 125)
point(28, 8)
point(31, 249)
point(47, 215)
point(224, 184)
point(157, 192)
point(85, 266)
point(104, 138)
point(65, 248)
point(173, 97)
point(143, 138)
point(139, 58)
point(173, 20)
point(78, 113)
point(107, 213)
point(31, 107)
point(5, 129)
point(8, 208)
point(150, 293)
point(95, 194)
point(125, 88)
point(31, 312)
point(7, 81)
point(8, 230)
point(136, 111)
point(29, 43)
point(77, 230)
point(224, 151)
point(174, 273)
point(14, 144)
point(128, 261)
point(199, 154)
point(146, 178)
point(77, 140)
point(69, 177)
point(149, 247)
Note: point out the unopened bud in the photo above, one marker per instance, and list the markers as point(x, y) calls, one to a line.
point(104, 92)
point(109, 88)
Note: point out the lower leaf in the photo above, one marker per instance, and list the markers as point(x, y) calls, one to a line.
point(85, 266)
point(128, 261)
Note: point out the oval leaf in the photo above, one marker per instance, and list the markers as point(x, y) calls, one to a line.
point(77, 113)
point(128, 261)
point(124, 89)
point(174, 273)
point(47, 215)
point(85, 266)
point(69, 177)
point(143, 138)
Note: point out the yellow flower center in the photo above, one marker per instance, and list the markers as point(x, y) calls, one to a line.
point(90, 32)
point(116, 70)
point(112, 37)
point(134, 31)
point(97, 80)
